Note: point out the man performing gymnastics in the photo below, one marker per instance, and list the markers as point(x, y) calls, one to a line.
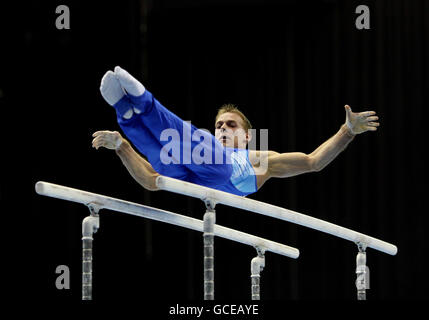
point(173, 147)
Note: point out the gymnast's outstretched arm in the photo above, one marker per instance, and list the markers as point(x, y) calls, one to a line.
point(137, 166)
point(281, 165)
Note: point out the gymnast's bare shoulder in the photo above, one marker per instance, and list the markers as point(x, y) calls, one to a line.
point(257, 159)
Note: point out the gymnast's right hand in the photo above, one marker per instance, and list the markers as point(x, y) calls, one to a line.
point(107, 139)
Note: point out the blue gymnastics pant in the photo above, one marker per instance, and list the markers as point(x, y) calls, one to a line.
point(146, 129)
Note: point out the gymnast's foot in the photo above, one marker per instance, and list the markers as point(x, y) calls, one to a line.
point(112, 92)
point(131, 85)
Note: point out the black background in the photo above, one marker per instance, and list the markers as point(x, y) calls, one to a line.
point(290, 66)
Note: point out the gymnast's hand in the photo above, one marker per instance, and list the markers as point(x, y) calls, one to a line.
point(107, 139)
point(360, 122)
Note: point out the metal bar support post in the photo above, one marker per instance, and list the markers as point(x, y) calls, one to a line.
point(90, 225)
point(362, 272)
point(209, 221)
point(256, 266)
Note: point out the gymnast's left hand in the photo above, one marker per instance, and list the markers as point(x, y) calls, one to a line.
point(360, 122)
point(108, 139)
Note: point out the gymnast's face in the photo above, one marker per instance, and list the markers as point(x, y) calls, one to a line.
point(229, 130)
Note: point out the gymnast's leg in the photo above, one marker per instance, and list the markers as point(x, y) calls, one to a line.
point(147, 144)
point(143, 120)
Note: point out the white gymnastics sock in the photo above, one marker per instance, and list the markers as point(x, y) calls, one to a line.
point(112, 91)
point(110, 88)
point(129, 84)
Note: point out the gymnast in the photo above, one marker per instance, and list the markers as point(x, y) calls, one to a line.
point(227, 163)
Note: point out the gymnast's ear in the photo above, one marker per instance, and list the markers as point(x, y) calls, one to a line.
point(249, 135)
